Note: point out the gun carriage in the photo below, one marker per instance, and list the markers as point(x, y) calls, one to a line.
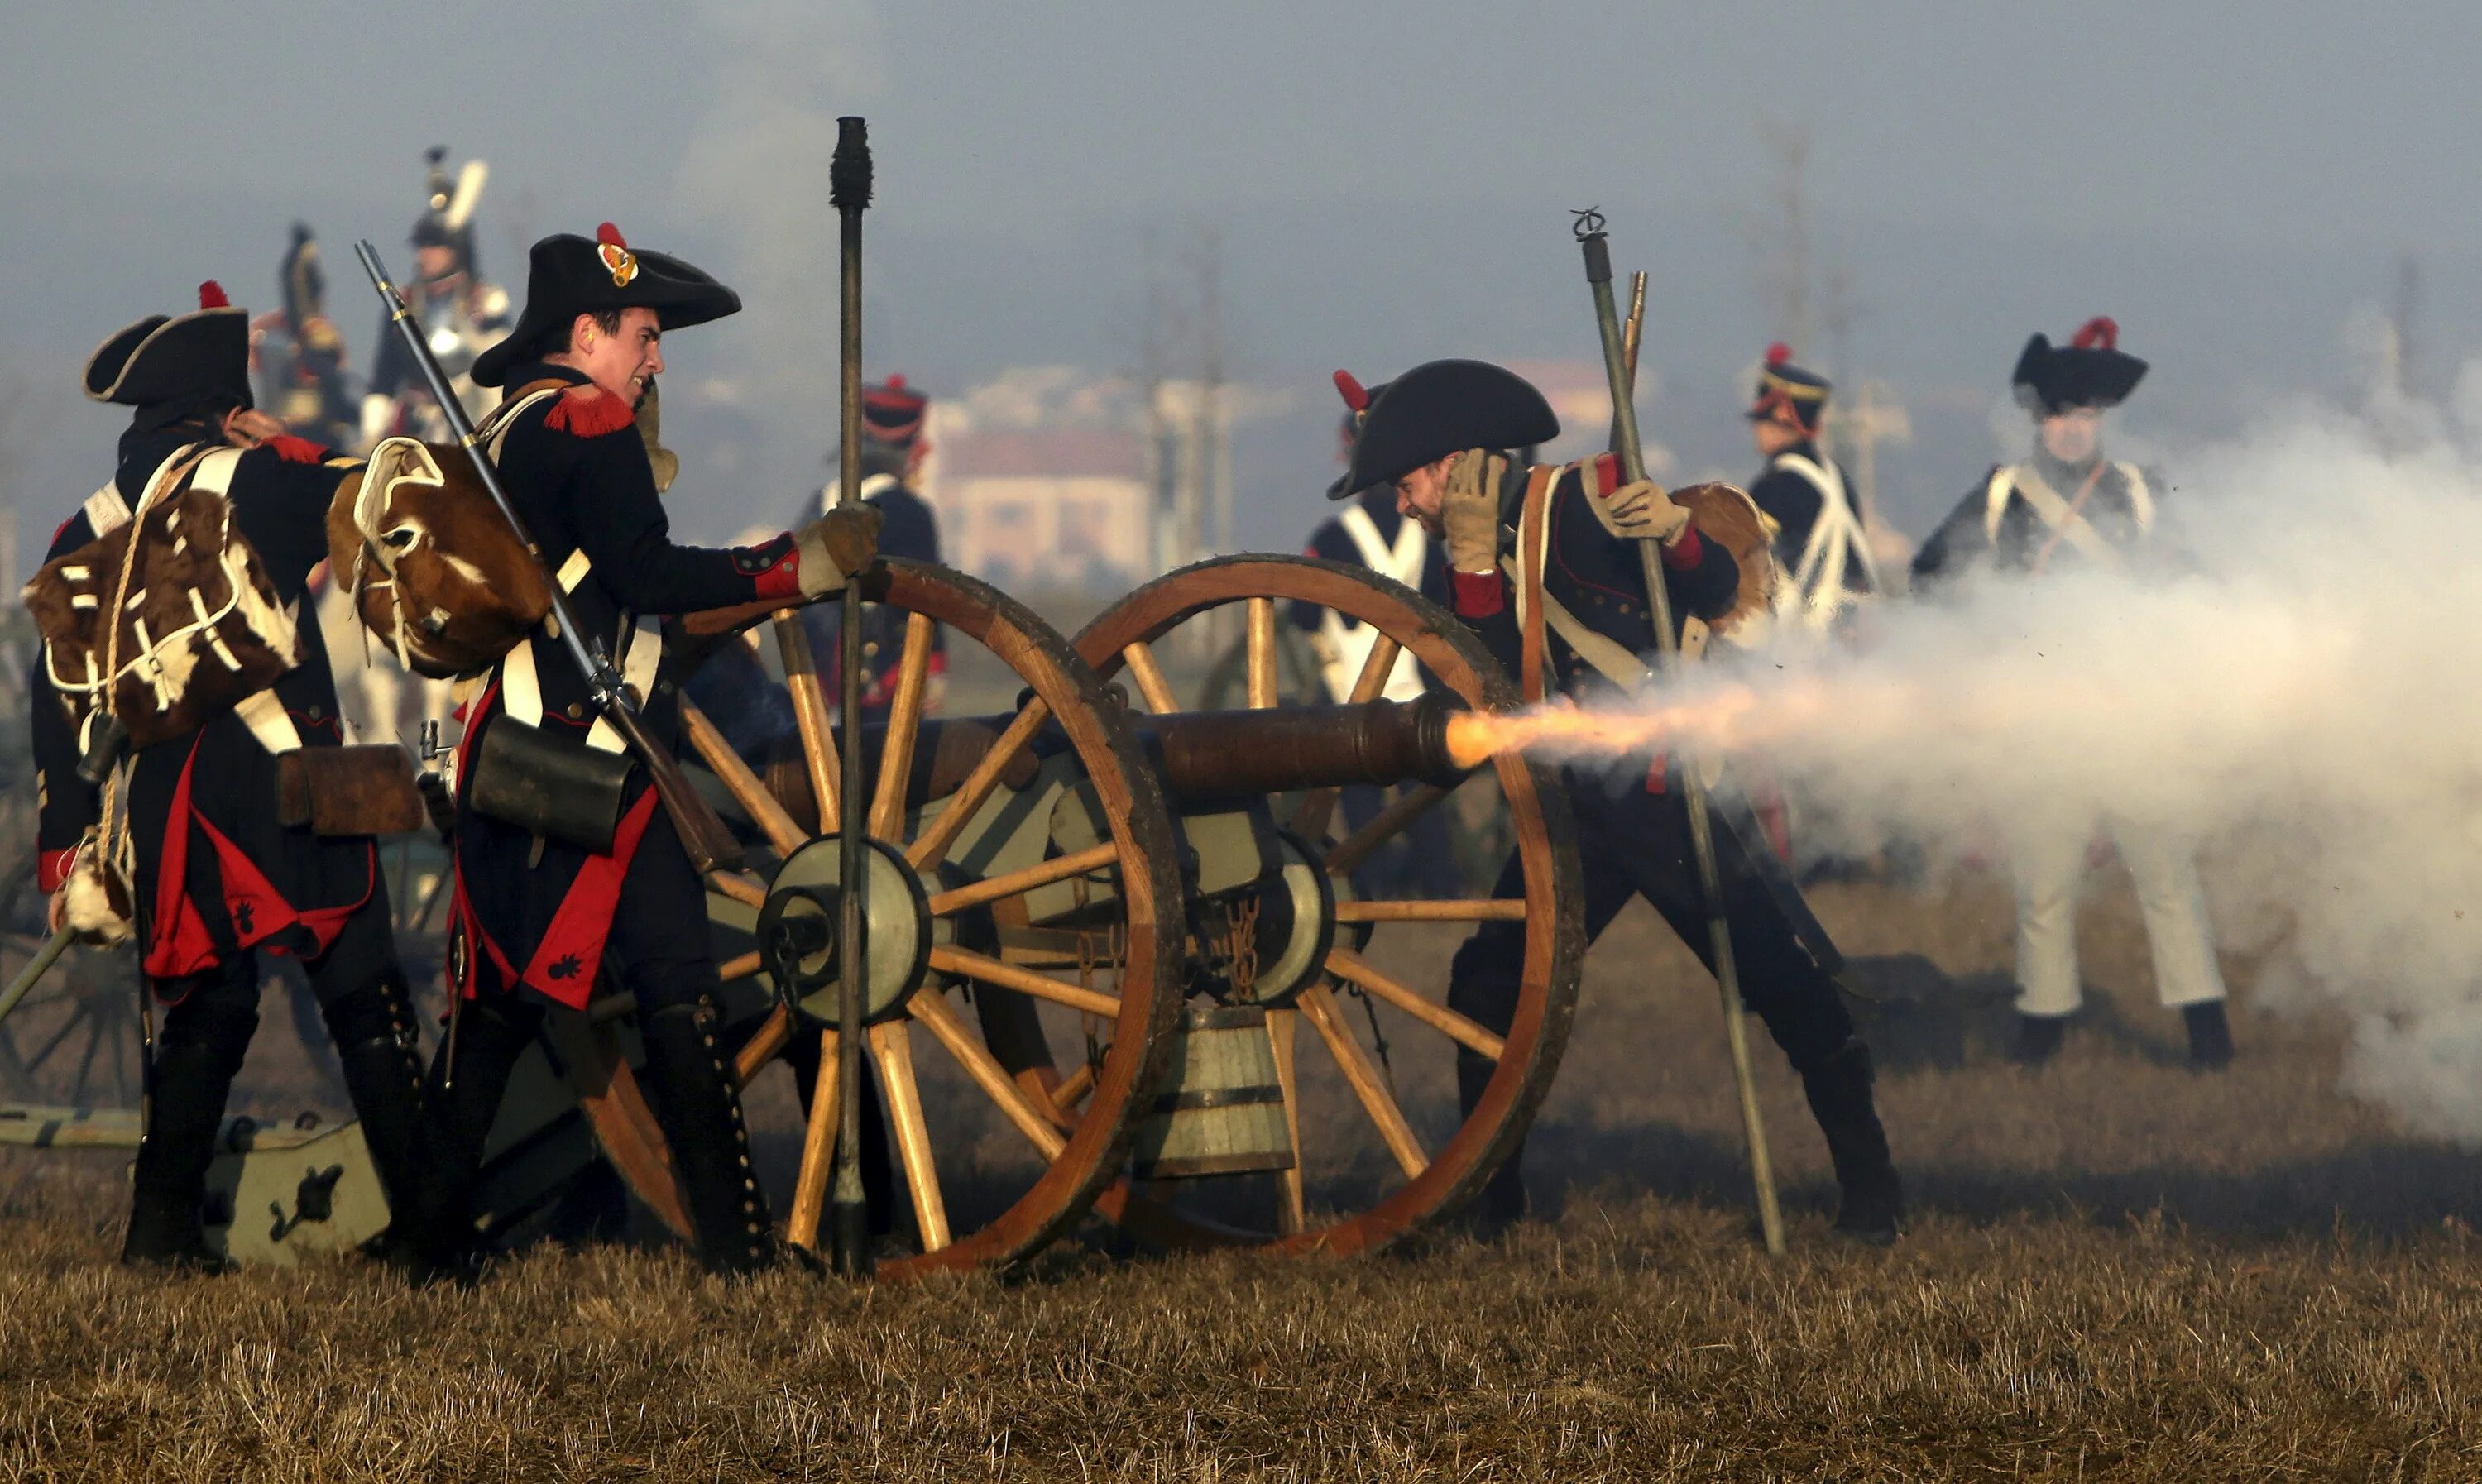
point(1127, 932)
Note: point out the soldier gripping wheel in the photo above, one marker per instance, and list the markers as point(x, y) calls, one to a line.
point(195, 792)
point(569, 872)
point(1553, 586)
point(2068, 503)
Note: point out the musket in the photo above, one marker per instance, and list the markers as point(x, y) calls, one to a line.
point(710, 845)
point(849, 185)
point(1597, 245)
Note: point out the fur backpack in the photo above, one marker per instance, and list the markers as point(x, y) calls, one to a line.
point(435, 571)
point(167, 619)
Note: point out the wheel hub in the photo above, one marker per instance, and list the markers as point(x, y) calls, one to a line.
point(798, 931)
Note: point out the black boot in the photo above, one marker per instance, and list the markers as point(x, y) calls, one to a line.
point(204, 1039)
point(702, 1118)
point(2038, 1039)
point(1872, 1210)
point(1502, 1202)
point(432, 1234)
point(2210, 1035)
point(373, 1029)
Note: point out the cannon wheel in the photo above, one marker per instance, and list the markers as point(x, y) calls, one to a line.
point(1135, 941)
point(1374, 1182)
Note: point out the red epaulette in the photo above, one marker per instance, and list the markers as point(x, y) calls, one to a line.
point(589, 413)
point(1608, 471)
point(294, 450)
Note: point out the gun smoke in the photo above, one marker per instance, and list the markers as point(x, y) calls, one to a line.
point(2287, 680)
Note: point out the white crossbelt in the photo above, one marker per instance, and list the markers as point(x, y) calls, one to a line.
point(1816, 592)
point(1347, 644)
point(2022, 481)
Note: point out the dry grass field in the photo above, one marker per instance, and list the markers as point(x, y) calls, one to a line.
point(2118, 1270)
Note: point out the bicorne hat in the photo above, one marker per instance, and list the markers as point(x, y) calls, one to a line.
point(892, 413)
point(2091, 370)
point(1441, 407)
point(1783, 385)
point(568, 276)
point(166, 356)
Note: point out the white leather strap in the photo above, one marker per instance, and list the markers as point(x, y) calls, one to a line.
point(1817, 591)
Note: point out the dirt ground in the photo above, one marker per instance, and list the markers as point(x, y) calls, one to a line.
point(2117, 1269)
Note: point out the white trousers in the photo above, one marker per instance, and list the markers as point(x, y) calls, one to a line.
point(2049, 868)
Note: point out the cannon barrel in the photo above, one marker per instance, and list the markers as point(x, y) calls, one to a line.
point(1208, 755)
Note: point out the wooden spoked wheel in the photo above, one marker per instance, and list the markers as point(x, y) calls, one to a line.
point(1039, 886)
point(1382, 1146)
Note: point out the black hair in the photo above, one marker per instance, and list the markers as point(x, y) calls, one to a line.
point(554, 340)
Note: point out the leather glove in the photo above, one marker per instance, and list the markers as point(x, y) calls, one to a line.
point(836, 545)
point(1641, 511)
point(1470, 512)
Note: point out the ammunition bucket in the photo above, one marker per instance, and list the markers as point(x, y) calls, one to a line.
point(1221, 1110)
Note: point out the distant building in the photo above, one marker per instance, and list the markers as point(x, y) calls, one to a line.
point(1042, 508)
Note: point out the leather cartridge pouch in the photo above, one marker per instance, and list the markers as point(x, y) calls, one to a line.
point(348, 790)
point(550, 786)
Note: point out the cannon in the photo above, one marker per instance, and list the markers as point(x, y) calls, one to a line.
point(1087, 918)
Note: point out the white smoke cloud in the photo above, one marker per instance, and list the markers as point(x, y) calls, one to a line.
point(2294, 687)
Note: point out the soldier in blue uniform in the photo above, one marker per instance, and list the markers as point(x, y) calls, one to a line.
point(217, 880)
point(2068, 503)
point(1434, 436)
point(547, 906)
point(892, 451)
point(1820, 544)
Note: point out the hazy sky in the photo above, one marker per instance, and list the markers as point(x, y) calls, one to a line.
point(1390, 182)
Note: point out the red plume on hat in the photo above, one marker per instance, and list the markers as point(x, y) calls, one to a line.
point(1355, 399)
point(2100, 334)
point(1779, 354)
point(211, 296)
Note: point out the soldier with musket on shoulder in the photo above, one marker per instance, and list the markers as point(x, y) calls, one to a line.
point(1436, 437)
point(2066, 503)
point(182, 841)
point(569, 872)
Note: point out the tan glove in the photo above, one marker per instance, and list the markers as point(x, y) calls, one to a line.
point(1470, 512)
point(836, 545)
point(1641, 511)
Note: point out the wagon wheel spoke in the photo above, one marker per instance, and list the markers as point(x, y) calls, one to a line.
point(818, 1151)
point(1318, 805)
point(1318, 1004)
point(1292, 1212)
point(774, 1034)
point(1502, 909)
point(957, 899)
point(948, 1029)
point(753, 796)
point(86, 1058)
point(960, 810)
point(1384, 825)
point(740, 965)
point(809, 714)
point(739, 886)
point(1152, 684)
point(1262, 653)
point(1345, 963)
point(904, 723)
point(1008, 976)
point(891, 1048)
point(1073, 1088)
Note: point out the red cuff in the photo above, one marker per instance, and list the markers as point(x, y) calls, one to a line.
point(1685, 554)
point(52, 867)
point(1478, 594)
point(780, 582)
point(298, 450)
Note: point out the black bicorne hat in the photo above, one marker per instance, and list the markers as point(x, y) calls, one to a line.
point(1782, 384)
point(892, 413)
point(165, 358)
point(568, 276)
point(1441, 407)
point(2091, 370)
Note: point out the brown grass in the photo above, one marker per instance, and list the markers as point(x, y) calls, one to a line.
point(2121, 1270)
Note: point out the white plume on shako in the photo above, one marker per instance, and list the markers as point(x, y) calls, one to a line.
point(2290, 683)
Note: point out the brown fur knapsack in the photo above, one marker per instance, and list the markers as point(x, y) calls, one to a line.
point(200, 627)
point(435, 572)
